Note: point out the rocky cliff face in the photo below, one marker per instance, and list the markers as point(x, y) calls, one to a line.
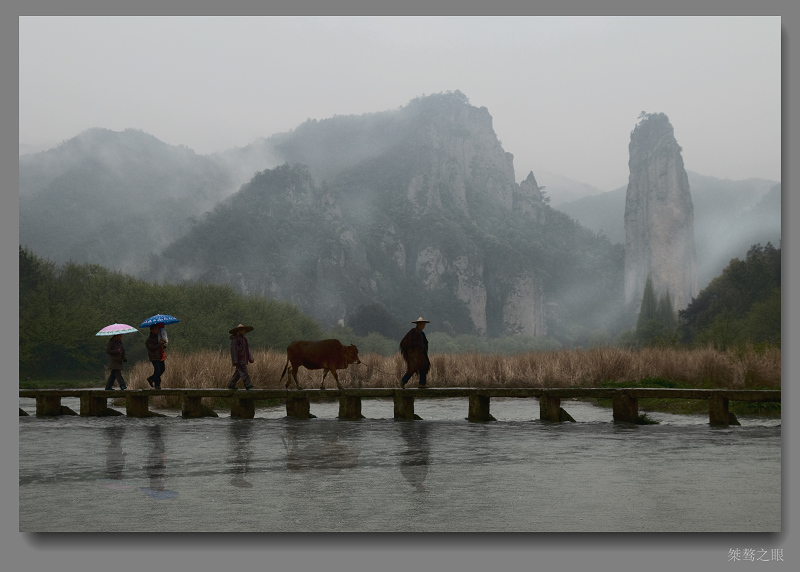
point(461, 149)
point(464, 165)
point(659, 216)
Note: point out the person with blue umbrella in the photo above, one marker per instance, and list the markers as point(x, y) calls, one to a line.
point(156, 345)
point(156, 354)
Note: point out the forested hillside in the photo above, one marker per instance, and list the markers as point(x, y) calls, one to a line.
point(741, 305)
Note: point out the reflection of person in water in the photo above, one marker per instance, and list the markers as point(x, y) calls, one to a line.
point(115, 460)
point(115, 457)
point(241, 453)
point(324, 455)
point(414, 459)
point(156, 466)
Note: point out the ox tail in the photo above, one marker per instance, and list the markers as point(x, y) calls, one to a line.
point(284, 370)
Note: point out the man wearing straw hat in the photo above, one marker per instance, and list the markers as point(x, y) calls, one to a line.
point(240, 356)
point(414, 347)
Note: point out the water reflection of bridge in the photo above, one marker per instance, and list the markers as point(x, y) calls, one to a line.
point(625, 401)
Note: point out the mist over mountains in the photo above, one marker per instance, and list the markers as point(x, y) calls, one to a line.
point(415, 210)
point(419, 214)
point(563, 190)
point(729, 217)
point(114, 198)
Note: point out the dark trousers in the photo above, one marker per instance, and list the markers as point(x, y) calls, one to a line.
point(116, 374)
point(240, 373)
point(423, 376)
point(158, 370)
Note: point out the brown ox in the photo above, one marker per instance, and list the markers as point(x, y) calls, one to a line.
point(328, 355)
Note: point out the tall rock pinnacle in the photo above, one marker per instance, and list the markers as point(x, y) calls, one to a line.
point(659, 216)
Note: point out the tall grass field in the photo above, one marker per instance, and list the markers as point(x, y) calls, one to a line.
point(746, 368)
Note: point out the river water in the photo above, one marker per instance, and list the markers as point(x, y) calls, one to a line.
point(442, 473)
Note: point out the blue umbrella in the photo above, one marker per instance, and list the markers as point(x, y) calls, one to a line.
point(159, 319)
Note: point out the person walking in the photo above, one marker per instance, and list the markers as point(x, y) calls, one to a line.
point(156, 354)
point(116, 356)
point(414, 347)
point(240, 356)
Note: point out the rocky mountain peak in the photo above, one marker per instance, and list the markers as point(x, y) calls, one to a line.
point(659, 215)
point(458, 151)
point(528, 198)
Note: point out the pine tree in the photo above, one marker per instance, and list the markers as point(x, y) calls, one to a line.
point(649, 307)
point(666, 314)
point(656, 323)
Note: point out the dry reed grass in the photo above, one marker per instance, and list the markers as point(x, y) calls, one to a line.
point(703, 368)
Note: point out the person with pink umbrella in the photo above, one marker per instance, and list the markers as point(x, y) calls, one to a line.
point(116, 353)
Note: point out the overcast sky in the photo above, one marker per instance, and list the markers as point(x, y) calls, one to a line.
point(564, 92)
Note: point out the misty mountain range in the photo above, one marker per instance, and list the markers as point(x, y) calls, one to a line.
point(415, 209)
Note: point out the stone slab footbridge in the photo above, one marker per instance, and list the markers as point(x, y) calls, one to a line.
point(625, 401)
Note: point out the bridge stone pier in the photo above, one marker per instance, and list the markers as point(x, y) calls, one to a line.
point(549, 407)
point(96, 406)
point(479, 408)
point(47, 405)
point(93, 406)
point(137, 405)
point(404, 406)
point(718, 412)
point(191, 407)
point(625, 407)
point(243, 408)
point(298, 407)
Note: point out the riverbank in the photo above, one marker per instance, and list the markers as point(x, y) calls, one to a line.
point(82, 383)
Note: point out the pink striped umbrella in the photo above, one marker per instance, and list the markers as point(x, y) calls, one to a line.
point(115, 329)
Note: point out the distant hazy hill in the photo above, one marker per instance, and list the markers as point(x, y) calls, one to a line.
point(602, 213)
point(114, 198)
point(729, 217)
point(25, 148)
point(563, 190)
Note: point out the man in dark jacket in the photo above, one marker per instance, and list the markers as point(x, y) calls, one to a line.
point(414, 347)
point(240, 356)
point(116, 356)
point(156, 355)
